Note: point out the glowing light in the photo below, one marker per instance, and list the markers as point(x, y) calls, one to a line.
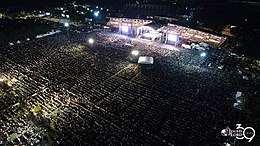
point(150, 35)
point(203, 54)
point(124, 28)
point(96, 13)
point(47, 13)
point(135, 52)
point(172, 37)
point(91, 41)
point(66, 24)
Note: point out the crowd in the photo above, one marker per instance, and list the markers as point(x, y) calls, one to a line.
point(195, 35)
point(78, 93)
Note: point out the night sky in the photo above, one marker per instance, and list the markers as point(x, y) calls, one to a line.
point(22, 3)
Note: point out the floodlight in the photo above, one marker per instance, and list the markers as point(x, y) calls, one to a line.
point(135, 52)
point(203, 54)
point(96, 13)
point(91, 41)
point(66, 24)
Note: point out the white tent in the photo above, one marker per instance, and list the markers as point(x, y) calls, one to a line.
point(185, 46)
point(237, 105)
point(200, 48)
point(220, 67)
point(145, 60)
point(238, 94)
point(245, 78)
point(240, 100)
point(203, 44)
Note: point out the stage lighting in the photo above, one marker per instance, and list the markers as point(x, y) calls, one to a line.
point(124, 29)
point(172, 37)
point(150, 35)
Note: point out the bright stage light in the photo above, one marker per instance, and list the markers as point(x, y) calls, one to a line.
point(150, 35)
point(91, 41)
point(203, 54)
point(135, 52)
point(124, 29)
point(172, 37)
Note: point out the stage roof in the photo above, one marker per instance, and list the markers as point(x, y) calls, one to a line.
point(154, 25)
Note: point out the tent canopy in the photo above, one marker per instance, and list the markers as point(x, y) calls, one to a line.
point(145, 60)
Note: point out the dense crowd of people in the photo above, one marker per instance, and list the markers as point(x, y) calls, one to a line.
point(77, 93)
point(195, 35)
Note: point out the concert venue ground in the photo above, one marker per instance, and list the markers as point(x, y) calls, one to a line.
point(64, 91)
